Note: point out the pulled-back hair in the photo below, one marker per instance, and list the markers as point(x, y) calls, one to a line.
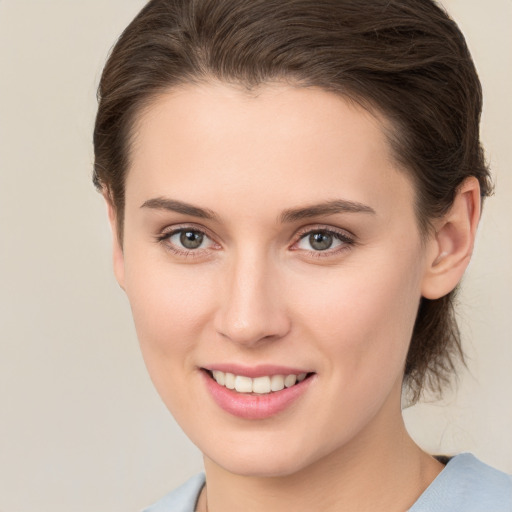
point(405, 59)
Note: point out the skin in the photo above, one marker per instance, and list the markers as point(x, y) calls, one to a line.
point(257, 291)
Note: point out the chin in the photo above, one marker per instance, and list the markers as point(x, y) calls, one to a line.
point(261, 468)
point(262, 460)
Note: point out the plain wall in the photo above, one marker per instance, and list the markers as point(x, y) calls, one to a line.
point(81, 428)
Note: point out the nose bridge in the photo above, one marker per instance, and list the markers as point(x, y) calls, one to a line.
point(251, 307)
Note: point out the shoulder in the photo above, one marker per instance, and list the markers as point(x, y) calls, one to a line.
point(182, 499)
point(467, 485)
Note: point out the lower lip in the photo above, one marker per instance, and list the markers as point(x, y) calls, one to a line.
point(254, 407)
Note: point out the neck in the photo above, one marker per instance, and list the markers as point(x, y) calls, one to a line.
point(383, 469)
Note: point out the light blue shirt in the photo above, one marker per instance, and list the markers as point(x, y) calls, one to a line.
point(464, 485)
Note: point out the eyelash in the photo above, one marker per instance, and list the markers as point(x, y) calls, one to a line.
point(347, 241)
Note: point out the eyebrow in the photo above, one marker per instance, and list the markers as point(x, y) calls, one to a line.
point(287, 216)
point(327, 208)
point(173, 205)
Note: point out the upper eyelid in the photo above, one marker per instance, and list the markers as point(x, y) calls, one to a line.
point(182, 226)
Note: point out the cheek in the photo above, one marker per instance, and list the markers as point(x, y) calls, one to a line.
point(171, 310)
point(363, 318)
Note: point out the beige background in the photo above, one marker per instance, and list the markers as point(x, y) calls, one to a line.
point(81, 428)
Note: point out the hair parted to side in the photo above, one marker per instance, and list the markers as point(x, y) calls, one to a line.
point(405, 59)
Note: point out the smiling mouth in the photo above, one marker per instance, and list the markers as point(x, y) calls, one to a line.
point(264, 385)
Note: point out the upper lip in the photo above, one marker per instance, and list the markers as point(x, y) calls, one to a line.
point(256, 371)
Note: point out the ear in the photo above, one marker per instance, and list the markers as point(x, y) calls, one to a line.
point(117, 248)
point(451, 246)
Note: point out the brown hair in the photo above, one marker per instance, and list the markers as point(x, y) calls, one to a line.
point(403, 58)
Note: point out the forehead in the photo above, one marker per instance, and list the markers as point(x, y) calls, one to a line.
point(200, 141)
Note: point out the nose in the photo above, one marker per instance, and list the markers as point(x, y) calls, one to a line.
point(251, 307)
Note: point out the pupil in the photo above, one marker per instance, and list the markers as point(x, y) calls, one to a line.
point(320, 241)
point(191, 239)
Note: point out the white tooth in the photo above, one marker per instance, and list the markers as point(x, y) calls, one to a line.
point(290, 380)
point(276, 383)
point(243, 384)
point(219, 377)
point(301, 376)
point(261, 385)
point(229, 381)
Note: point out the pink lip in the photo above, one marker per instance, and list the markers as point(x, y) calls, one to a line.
point(256, 371)
point(255, 407)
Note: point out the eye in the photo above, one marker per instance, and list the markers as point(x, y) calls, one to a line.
point(320, 241)
point(324, 240)
point(188, 239)
point(185, 241)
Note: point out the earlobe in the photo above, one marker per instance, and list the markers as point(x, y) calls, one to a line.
point(117, 249)
point(451, 246)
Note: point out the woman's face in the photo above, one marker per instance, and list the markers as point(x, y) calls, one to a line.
point(270, 234)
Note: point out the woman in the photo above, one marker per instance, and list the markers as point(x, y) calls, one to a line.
point(294, 189)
